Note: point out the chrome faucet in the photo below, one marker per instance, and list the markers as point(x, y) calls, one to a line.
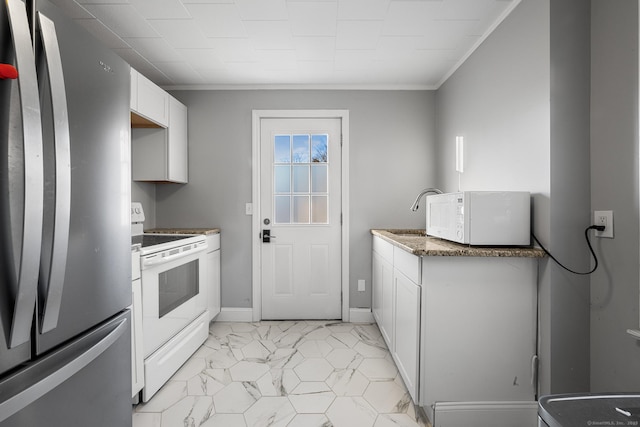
point(415, 206)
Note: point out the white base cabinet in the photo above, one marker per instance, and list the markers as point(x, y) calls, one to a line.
point(406, 349)
point(478, 339)
point(382, 288)
point(462, 332)
point(213, 275)
point(137, 356)
point(396, 308)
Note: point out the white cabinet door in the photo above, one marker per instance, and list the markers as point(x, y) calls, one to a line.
point(137, 358)
point(407, 331)
point(134, 90)
point(212, 261)
point(383, 296)
point(177, 146)
point(152, 102)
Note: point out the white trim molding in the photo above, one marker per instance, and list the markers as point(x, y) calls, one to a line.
point(361, 315)
point(235, 314)
point(257, 116)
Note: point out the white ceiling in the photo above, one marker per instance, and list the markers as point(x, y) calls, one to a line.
point(403, 44)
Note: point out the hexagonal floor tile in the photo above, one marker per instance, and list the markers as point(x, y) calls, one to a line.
point(233, 399)
point(221, 359)
point(378, 369)
point(248, 371)
point(352, 412)
point(226, 420)
point(371, 349)
point(397, 420)
point(314, 348)
point(309, 420)
point(270, 411)
point(312, 397)
point(342, 358)
point(313, 370)
point(387, 397)
point(348, 382)
point(192, 410)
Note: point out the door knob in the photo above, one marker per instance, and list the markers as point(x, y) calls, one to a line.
point(267, 236)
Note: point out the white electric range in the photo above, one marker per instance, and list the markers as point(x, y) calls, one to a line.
point(175, 320)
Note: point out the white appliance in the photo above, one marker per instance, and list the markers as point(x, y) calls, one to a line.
point(481, 218)
point(175, 319)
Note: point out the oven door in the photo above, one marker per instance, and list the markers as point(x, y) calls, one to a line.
point(173, 295)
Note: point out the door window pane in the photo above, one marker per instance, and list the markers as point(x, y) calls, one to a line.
point(319, 178)
point(300, 149)
point(282, 209)
point(282, 178)
point(301, 169)
point(301, 209)
point(319, 153)
point(301, 178)
point(319, 209)
point(282, 149)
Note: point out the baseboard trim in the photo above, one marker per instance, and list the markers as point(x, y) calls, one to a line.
point(235, 314)
point(360, 315)
point(242, 314)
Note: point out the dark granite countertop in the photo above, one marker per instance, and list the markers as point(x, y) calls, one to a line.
point(417, 243)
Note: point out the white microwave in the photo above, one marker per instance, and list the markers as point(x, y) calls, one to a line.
point(482, 218)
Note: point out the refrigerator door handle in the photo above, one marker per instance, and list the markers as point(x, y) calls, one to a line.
point(53, 272)
point(26, 396)
point(27, 275)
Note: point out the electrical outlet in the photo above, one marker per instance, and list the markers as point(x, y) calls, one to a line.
point(604, 218)
point(361, 286)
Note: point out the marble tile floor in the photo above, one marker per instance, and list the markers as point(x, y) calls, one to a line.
point(285, 374)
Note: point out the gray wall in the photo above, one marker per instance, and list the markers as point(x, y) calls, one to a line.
point(391, 159)
point(145, 193)
point(615, 356)
point(566, 295)
point(522, 103)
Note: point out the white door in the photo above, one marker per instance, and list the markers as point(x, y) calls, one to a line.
point(300, 208)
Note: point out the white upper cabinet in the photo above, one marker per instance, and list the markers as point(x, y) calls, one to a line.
point(159, 138)
point(177, 146)
point(148, 100)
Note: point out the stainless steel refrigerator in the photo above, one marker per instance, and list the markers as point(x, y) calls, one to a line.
point(65, 261)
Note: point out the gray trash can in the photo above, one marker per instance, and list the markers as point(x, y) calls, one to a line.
point(589, 410)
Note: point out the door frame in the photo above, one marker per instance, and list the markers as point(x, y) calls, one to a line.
point(256, 225)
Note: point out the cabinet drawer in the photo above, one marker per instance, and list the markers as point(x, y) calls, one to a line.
point(408, 264)
point(384, 249)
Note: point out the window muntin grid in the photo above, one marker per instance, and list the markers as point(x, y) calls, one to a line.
point(301, 178)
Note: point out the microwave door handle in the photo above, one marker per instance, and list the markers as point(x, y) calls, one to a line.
point(53, 279)
point(27, 275)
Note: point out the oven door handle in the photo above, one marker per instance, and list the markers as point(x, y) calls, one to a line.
point(156, 260)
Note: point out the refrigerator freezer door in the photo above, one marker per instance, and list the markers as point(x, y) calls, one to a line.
point(52, 269)
point(97, 275)
point(32, 396)
point(21, 185)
